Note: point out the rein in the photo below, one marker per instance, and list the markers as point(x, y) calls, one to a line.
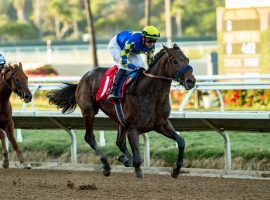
point(159, 77)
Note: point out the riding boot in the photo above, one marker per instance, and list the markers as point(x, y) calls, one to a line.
point(118, 77)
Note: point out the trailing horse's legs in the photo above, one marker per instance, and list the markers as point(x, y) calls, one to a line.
point(126, 157)
point(90, 139)
point(168, 131)
point(133, 138)
point(5, 163)
point(10, 134)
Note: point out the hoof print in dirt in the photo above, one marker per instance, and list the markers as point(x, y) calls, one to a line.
point(88, 187)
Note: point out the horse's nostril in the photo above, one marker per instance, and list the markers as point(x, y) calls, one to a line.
point(190, 83)
point(28, 96)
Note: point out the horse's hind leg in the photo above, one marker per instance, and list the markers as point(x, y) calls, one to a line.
point(10, 134)
point(5, 163)
point(90, 139)
point(126, 157)
point(168, 131)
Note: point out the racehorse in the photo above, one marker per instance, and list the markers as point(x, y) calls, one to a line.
point(145, 110)
point(13, 79)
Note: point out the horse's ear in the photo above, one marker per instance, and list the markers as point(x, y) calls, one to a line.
point(20, 65)
point(175, 46)
point(9, 65)
point(166, 48)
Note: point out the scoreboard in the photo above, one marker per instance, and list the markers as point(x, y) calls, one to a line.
point(243, 40)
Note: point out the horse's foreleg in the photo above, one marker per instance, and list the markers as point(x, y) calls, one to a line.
point(168, 131)
point(10, 134)
point(90, 139)
point(133, 138)
point(5, 163)
point(126, 157)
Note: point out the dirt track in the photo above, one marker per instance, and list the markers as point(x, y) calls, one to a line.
point(58, 184)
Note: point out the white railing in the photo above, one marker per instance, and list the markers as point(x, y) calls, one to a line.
point(216, 83)
point(229, 82)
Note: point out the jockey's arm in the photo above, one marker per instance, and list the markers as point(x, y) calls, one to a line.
point(150, 55)
point(125, 54)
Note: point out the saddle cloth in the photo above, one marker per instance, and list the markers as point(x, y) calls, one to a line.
point(107, 81)
point(105, 87)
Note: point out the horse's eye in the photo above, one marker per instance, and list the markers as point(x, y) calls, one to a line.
point(175, 62)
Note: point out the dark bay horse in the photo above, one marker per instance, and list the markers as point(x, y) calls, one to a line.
point(146, 110)
point(14, 80)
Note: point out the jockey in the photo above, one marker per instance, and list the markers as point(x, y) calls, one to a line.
point(125, 48)
point(2, 62)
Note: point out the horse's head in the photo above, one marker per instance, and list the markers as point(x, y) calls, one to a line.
point(179, 68)
point(17, 81)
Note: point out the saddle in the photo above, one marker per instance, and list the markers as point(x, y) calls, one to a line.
point(131, 77)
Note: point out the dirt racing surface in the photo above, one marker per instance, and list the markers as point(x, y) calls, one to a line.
point(35, 184)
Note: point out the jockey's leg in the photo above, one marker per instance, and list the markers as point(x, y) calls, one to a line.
point(136, 60)
point(118, 77)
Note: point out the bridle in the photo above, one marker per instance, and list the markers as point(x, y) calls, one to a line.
point(180, 73)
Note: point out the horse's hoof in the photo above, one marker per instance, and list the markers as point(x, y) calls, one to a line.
point(106, 172)
point(5, 164)
point(175, 172)
point(128, 163)
point(139, 173)
point(27, 165)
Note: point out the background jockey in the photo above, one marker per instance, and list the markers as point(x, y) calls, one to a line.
point(2, 62)
point(125, 48)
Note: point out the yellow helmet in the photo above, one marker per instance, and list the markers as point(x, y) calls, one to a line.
point(151, 32)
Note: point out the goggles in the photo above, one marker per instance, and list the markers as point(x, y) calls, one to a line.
point(149, 40)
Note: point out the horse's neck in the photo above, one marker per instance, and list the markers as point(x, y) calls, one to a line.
point(159, 69)
point(5, 91)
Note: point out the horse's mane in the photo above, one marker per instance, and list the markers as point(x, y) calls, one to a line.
point(157, 56)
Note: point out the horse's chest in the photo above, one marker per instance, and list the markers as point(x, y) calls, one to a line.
point(149, 118)
point(5, 112)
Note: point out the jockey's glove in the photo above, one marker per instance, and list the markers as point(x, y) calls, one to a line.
point(140, 69)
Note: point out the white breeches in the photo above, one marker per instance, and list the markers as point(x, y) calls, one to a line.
point(115, 51)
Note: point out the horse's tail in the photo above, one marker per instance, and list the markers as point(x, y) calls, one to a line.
point(64, 98)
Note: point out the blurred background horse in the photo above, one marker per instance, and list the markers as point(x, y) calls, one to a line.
point(12, 79)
